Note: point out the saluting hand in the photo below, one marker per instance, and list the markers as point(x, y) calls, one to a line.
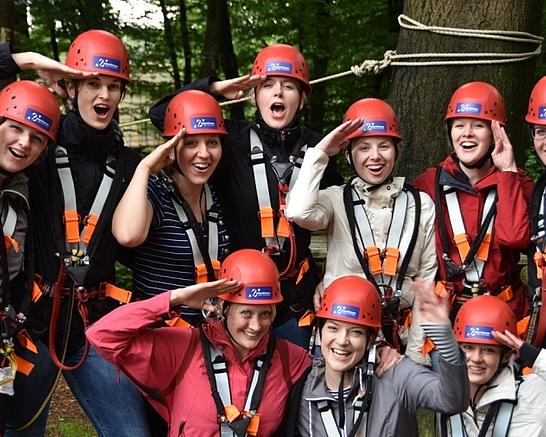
point(508, 339)
point(235, 88)
point(162, 155)
point(197, 296)
point(332, 143)
point(503, 153)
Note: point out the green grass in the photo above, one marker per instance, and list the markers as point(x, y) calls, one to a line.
point(425, 418)
point(70, 427)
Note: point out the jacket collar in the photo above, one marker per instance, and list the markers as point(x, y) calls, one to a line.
point(385, 190)
point(503, 387)
point(455, 177)
point(16, 186)
point(287, 137)
point(316, 388)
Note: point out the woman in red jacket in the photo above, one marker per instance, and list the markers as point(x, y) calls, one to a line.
point(230, 376)
point(481, 201)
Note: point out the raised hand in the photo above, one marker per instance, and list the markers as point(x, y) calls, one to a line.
point(432, 307)
point(162, 155)
point(332, 143)
point(235, 88)
point(197, 296)
point(386, 358)
point(503, 153)
point(319, 294)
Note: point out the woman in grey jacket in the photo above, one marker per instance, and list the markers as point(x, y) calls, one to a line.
point(342, 396)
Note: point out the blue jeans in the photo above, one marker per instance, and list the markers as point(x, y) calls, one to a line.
point(111, 401)
point(292, 332)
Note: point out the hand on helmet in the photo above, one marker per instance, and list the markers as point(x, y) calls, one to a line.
point(432, 307)
point(508, 339)
point(332, 143)
point(319, 294)
point(49, 70)
point(233, 89)
point(503, 153)
point(162, 155)
point(197, 296)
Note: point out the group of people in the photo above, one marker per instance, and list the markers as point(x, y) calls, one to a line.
point(216, 225)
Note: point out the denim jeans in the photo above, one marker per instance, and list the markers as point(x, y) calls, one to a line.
point(111, 401)
point(292, 332)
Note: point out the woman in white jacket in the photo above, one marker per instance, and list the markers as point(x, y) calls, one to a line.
point(502, 403)
point(378, 226)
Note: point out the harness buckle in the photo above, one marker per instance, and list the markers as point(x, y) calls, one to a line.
point(266, 219)
point(374, 259)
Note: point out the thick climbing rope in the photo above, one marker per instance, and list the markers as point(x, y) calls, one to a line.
point(393, 59)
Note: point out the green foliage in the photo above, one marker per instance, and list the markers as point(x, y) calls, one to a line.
point(71, 427)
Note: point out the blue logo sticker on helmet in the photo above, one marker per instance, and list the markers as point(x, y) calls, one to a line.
point(259, 293)
point(347, 311)
point(278, 67)
point(542, 112)
point(468, 108)
point(478, 332)
point(204, 123)
point(109, 64)
point(374, 126)
point(39, 119)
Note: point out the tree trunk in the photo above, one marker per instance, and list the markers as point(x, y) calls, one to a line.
point(420, 95)
point(218, 51)
point(186, 47)
point(170, 44)
point(7, 30)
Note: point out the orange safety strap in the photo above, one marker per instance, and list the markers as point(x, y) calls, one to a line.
point(232, 412)
point(304, 268)
point(201, 274)
point(522, 326)
point(177, 322)
point(252, 428)
point(25, 341)
point(391, 261)
point(461, 241)
point(507, 294)
point(539, 261)
point(71, 222)
point(428, 346)
point(23, 366)
point(283, 227)
point(117, 293)
point(36, 292)
point(527, 371)
point(440, 289)
point(374, 260)
point(306, 319)
point(90, 225)
point(483, 251)
point(10, 242)
point(266, 220)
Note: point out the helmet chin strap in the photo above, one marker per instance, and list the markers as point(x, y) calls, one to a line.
point(6, 173)
point(481, 162)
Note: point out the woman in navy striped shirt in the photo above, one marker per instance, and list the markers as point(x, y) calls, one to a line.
point(169, 214)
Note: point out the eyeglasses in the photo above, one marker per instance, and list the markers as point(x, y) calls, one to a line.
point(538, 133)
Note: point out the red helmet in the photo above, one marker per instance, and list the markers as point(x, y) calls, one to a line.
point(480, 316)
point(195, 111)
point(257, 272)
point(101, 52)
point(282, 60)
point(536, 113)
point(32, 105)
point(352, 299)
point(379, 119)
point(477, 100)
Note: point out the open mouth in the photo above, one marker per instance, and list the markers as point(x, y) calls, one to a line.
point(340, 353)
point(277, 109)
point(17, 153)
point(468, 146)
point(101, 110)
point(375, 169)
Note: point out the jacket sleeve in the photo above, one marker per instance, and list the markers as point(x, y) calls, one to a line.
point(308, 206)
point(428, 263)
point(157, 111)
point(539, 366)
point(150, 357)
point(8, 67)
point(512, 226)
point(445, 391)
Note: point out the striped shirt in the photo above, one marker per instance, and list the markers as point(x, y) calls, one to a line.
point(165, 260)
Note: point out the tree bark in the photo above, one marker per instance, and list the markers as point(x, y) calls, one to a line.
point(218, 51)
point(170, 44)
point(186, 47)
point(420, 95)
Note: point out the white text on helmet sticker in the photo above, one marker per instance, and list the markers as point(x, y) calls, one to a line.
point(39, 119)
point(542, 112)
point(374, 126)
point(203, 123)
point(348, 311)
point(104, 63)
point(278, 67)
point(259, 293)
point(468, 108)
point(479, 332)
